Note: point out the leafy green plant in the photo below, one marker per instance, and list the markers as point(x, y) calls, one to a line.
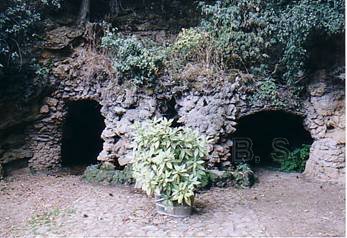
point(240, 176)
point(238, 29)
point(243, 176)
point(267, 91)
point(52, 3)
point(193, 45)
point(45, 218)
point(16, 23)
point(270, 38)
point(49, 217)
point(19, 21)
point(168, 161)
point(43, 70)
point(108, 174)
point(132, 58)
point(295, 25)
point(296, 159)
point(187, 40)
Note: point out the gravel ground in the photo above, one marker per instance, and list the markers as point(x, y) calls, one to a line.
point(279, 205)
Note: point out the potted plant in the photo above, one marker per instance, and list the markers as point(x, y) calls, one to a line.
point(168, 163)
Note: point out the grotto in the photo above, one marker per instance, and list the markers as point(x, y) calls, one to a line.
point(81, 136)
point(268, 131)
point(83, 90)
point(221, 112)
point(115, 114)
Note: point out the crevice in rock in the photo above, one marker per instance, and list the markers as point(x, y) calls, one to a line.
point(83, 125)
point(168, 109)
point(263, 133)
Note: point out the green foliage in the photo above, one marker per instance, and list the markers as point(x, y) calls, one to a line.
point(187, 41)
point(19, 21)
point(132, 58)
point(218, 178)
point(243, 176)
point(45, 218)
point(108, 175)
point(16, 24)
point(168, 161)
point(295, 160)
point(267, 91)
point(270, 38)
point(296, 24)
point(52, 3)
point(192, 45)
point(238, 30)
point(43, 70)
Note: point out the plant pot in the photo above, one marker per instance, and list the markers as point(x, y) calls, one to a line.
point(172, 210)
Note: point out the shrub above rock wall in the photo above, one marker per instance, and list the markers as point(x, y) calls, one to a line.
point(230, 65)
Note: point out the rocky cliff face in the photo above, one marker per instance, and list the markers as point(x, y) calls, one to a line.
point(212, 108)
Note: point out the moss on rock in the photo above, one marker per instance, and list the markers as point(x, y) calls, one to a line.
point(107, 174)
point(242, 176)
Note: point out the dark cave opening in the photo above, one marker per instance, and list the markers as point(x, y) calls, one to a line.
point(81, 142)
point(169, 111)
point(262, 134)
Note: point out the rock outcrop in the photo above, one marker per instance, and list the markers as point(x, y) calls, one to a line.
point(325, 110)
point(212, 109)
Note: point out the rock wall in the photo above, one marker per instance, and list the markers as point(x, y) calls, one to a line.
point(20, 101)
point(325, 110)
point(212, 108)
point(211, 113)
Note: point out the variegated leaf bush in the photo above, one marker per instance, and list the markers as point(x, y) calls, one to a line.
point(168, 161)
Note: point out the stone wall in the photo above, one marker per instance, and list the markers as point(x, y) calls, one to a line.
point(212, 109)
point(325, 110)
point(211, 113)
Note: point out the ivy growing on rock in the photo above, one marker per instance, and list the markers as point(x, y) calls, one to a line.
point(270, 38)
point(238, 31)
point(132, 58)
point(295, 25)
point(19, 21)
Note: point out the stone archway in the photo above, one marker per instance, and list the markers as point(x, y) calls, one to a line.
point(82, 128)
point(266, 132)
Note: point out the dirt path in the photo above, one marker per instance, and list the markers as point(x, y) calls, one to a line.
point(280, 205)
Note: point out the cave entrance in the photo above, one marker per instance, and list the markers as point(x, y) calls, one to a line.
point(82, 130)
point(266, 133)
